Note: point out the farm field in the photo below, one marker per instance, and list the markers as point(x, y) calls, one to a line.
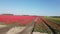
point(30, 23)
point(55, 23)
point(55, 20)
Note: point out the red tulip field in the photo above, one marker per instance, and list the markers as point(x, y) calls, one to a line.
point(20, 19)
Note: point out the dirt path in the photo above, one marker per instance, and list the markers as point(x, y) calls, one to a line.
point(15, 30)
point(4, 30)
point(39, 33)
point(29, 28)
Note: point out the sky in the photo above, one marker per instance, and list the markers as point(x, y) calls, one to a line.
point(30, 7)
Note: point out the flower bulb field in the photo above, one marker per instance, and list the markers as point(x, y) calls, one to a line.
point(19, 19)
point(29, 24)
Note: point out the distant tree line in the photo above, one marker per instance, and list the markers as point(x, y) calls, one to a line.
point(55, 16)
point(6, 14)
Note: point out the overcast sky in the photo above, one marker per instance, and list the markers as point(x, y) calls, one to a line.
point(30, 7)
